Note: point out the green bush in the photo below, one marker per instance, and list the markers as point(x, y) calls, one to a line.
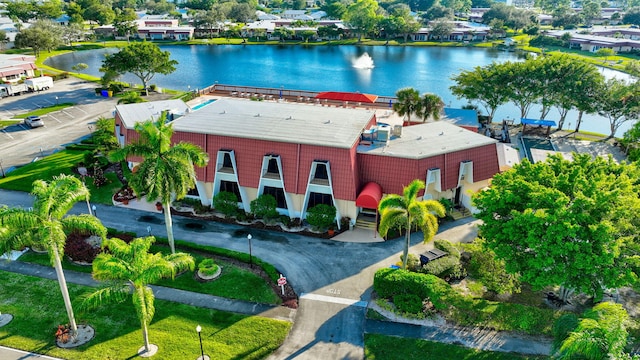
point(441, 267)
point(408, 303)
point(207, 267)
point(390, 282)
point(446, 246)
point(321, 216)
point(226, 202)
point(413, 263)
point(264, 207)
point(484, 267)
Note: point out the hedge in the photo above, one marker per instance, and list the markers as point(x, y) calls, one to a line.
point(390, 282)
point(441, 266)
point(447, 247)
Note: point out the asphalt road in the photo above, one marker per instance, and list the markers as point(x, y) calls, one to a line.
point(20, 145)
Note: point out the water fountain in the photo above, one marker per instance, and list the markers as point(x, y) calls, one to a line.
point(363, 62)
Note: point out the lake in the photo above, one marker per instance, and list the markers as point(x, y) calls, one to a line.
point(326, 68)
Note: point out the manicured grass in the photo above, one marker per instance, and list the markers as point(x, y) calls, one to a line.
point(4, 123)
point(381, 347)
point(46, 168)
point(37, 307)
point(233, 283)
point(44, 110)
point(61, 162)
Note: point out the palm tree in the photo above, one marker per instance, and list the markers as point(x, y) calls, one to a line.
point(166, 170)
point(131, 97)
point(130, 268)
point(46, 226)
point(403, 212)
point(431, 105)
point(408, 102)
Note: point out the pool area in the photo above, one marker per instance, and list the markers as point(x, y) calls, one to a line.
point(529, 143)
point(203, 104)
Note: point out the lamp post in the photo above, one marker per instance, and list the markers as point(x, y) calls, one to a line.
point(249, 237)
point(95, 213)
point(202, 355)
point(57, 103)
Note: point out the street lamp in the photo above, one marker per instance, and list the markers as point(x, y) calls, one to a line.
point(249, 237)
point(202, 355)
point(57, 103)
point(95, 213)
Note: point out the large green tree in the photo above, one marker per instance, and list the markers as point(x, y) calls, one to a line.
point(142, 59)
point(130, 268)
point(167, 170)
point(404, 212)
point(569, 223)
point(41, 35)
point(619, 102)
point(363, 17)
point(46, 225)
point(483, 85)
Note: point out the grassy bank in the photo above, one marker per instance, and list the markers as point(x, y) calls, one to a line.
point(37, 307)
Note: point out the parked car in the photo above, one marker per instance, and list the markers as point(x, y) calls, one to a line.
point(33, 121)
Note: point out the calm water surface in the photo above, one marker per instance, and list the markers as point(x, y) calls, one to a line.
point(323, 68)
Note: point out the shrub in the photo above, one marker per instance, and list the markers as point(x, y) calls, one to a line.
point(492, 272)
point(441, 267)
point(207, 267)
point(390, 282)
point(321, 216)
point(78, 249)
point(226, 202)
point(413, 263)
point(264, 207)
point(408, 303)
point(447, 246)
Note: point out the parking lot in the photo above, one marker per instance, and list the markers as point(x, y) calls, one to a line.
point(20, 145)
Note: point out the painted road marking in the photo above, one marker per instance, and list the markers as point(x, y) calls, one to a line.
point(333, 299)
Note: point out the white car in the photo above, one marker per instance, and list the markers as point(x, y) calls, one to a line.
point(33, 121)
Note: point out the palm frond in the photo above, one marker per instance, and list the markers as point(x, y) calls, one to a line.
point(108, 295)
point(84, 223)
point(391, 218)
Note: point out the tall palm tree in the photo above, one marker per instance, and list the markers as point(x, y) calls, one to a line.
point(130, 268)
point(46, 226)
point(431, 105)
point(403, 212)
point(166, 170)
point(408, 102)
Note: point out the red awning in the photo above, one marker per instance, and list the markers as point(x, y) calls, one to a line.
point(370, 196)
point(347, 96)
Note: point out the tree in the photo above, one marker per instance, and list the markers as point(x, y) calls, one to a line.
point(560, 222)
point(41, 35)
point(619, 102)
point(591, 10)
point(408, 102)
point(283, 33)
point(131, 97)
point(143, 59)
point(165, 170)
point(242, 13)
point(441, 29)
point(484, 85)
point(49, 9)
point(437, 12)
point(362, 16)
point(457, 5)
point(329, 32)
point(632, 16)
point(207, 20)
point(130, 268)
point(22, 10)
point(4, 39)
point(124, 22)
point(45, 225)
point(605, 53)
point(600, 334)
point(406, 211)
point(335, 10)
point(99, 13)
point(524, 84)
point(431, 106)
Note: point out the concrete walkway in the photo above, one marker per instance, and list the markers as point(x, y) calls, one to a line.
point(332, 278)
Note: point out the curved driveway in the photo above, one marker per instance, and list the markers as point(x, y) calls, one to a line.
point(333, 279)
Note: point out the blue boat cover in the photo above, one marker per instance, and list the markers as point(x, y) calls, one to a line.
point(538, 122)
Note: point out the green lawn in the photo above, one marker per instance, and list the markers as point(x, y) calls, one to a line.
point(46, 168)
point(381, 347)
point(233, 283)
point(61, 162)
point(44, 110)
point(37, 307)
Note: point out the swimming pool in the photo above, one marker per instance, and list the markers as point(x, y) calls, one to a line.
point(536, 143)
point(203, 104)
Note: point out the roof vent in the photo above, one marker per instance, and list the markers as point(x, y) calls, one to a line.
point(441, 133)
point(419, 137)
point(290, 117)
point(224, 111)
point(258, 115)
point(328, 122)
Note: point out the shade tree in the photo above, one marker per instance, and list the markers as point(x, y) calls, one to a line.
point(484, 86)
point(619, 102)
point(564, 223)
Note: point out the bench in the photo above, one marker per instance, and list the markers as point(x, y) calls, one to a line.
point(431, 255)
